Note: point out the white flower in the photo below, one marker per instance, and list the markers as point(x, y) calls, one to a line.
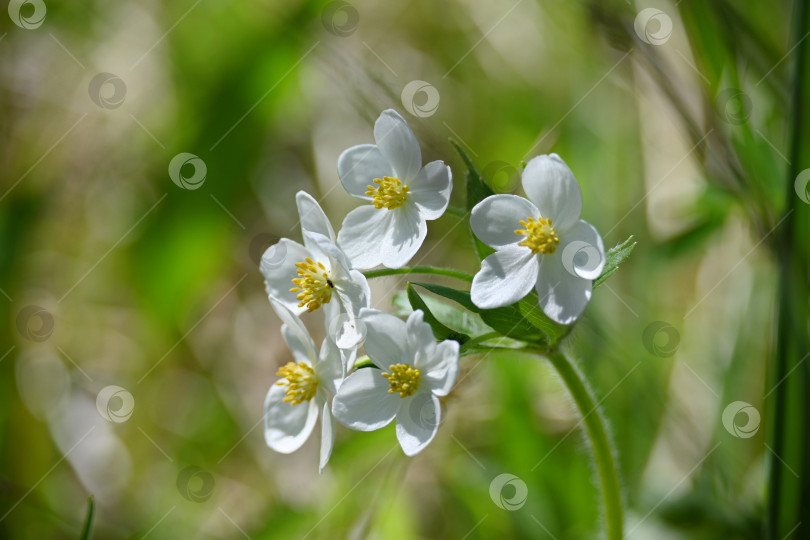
point(293, 403)
point(540, 242)
point(317, 273)
point(415, 372)
point(403, 195)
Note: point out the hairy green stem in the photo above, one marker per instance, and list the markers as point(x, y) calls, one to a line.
point(601, 443)
point(449, 272)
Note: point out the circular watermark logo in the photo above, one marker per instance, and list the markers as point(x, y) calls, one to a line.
point(661, 339)
point(581, 259)
point(425, 94)
point(187, 171)
point(35, 323)
point(653, 26)
point(501, 176)
point(508, 492)
point(28, 14)
point(802, 185)
point(347, 332)
point(733, 106)
point(340, 18)
point(107, 90)
point(195, 484)
point(115, 404)
point(732, 413)
point(274, 256)
point(422, 411)
point(259, 245)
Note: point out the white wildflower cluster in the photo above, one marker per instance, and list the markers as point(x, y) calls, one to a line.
point(538, 243)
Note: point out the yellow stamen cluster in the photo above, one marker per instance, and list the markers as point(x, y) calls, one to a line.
point(302, 384)
point(403, 378)
point(540, 235)
point(313, 285)
point(389, 192)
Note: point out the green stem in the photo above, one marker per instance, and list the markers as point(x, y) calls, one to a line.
point(449, 272)
point(606, 465)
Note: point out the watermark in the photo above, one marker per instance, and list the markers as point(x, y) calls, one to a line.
point(733, 106)
point(115, 404)
point(27, 14)
point(107, 90)
point(653, 26)
point(195, 484)
point(802, 185)
point(422, 411)
point(508, 492)
point(187, 171)
point(346, 331)
point(340, 18)
point(428, 98)
point(259, 244)
point(35, 323)
point(274, 256)
point(731, 414)
point(661, 339)
point(501, 176)
point(581, 259)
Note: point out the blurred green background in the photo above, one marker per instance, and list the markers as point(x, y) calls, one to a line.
point(673, 120)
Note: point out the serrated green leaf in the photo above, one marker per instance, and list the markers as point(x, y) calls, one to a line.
point(450, 315)
point(441, 331)
point(615, 256)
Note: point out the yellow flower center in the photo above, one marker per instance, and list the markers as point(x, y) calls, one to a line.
point(389, 192)
point(302, 384)
point(313, 285)
point(540, 235)
point(403, 378)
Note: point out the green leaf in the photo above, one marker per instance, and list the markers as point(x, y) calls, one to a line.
point(450, 315)
point(441, 331)
point(87, 530)
point(477, 190)
point(615, 256)
point(507, 320)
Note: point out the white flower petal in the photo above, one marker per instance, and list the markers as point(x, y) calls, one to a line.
point(582, 250)
point(505, 277)
point(407, 230)
point(441, 368)
point(287, 427)
point(551, 186)
point(295, 334)
point(299, 348)
point(386, 338)
point(312, 216)
point(562, 296)
point(354, 293)
point(398, 144)
point(324, 248)
point(360, 235)
point(278, 269)
point(327, 436)
point(359, 166)
point(495, 219)
point(431, 189)
point(363, 402)
point(421, 340)
point(329, 366)
point(418, 422)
